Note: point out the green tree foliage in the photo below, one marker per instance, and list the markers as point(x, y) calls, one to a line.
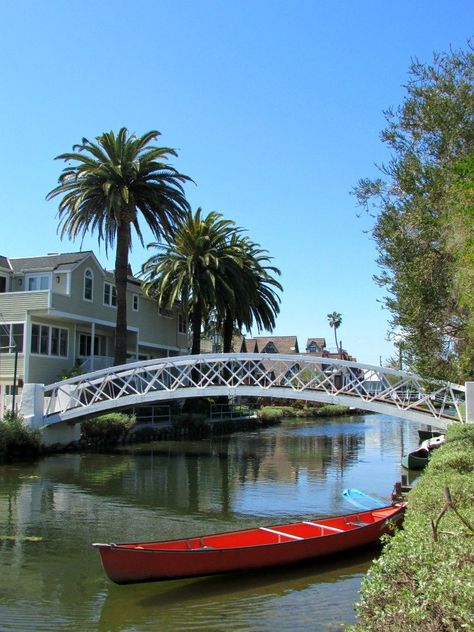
point(111, 187)
point(254, 301)
point(216, 274)
point(424, 222)
point(196, 268)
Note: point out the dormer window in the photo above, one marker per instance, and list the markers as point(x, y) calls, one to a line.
point(269, 348)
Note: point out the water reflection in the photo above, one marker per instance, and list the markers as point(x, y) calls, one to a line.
point(178, 489)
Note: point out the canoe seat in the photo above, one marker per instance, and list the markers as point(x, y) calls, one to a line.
point(282, 533)
point(323, 526)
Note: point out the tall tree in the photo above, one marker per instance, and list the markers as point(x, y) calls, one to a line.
point(256, 300)
point(113, 185)
point(417, 203)
point(196, 268)
point(335, 321)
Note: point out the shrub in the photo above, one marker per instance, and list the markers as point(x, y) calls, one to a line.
point(424, 579)
point(108, 428)
point(17, 441)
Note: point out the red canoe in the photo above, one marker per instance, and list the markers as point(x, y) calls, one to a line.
point(275, 545)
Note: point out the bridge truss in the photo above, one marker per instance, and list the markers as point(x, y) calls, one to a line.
point(305, 377)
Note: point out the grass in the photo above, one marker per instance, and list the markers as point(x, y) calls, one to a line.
point(275, 413)
point(424, 579)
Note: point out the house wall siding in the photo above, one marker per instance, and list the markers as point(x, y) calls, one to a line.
point(13, 306)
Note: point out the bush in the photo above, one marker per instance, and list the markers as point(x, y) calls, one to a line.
point(424, 579)
point(108, 428)
point(17, 441)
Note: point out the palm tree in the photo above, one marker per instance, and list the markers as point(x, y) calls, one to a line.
point(255, 302)
point(111, 185)
point(197, 268)
point(335, 320)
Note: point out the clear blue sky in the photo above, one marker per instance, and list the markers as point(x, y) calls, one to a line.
point(274, 107)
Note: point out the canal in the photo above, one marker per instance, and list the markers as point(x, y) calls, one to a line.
point(51, 510)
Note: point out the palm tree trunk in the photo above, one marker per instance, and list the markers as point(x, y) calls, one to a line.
point(227, 331)
point(121, 271)
point(196, 321)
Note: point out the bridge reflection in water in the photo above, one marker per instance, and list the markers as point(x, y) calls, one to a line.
point(328, 380)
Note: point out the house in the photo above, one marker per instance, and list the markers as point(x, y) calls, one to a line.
point(316, 346)
point(58, 311)
point(270, 344)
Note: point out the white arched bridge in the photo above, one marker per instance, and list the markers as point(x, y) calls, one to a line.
point(303, 377)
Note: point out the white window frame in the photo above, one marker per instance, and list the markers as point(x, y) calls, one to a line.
point(86, 340)
point(45, 335)
point(135, 302)
point(112, 295)
point(88, 275)
point(11, 348)
point(29, 278)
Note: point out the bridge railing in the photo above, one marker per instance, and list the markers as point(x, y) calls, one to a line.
point(299, 376)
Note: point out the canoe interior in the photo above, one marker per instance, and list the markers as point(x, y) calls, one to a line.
point(274, 534)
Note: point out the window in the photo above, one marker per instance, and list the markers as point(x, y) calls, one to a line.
point(85, 345)
point(269, 348)
point(46, 340)
point(88, 285)
point(110, 295)
point(181, 324)
point(58, 341)
point(11, 337)
point(36, 282)
point(3, 284)
point(135, 302)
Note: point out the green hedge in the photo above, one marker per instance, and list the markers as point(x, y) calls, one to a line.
point(108, 428)
point(424, 579)
point(17, 441)
point(325, 410)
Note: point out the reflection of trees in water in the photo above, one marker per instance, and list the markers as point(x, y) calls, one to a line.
point(200, 476)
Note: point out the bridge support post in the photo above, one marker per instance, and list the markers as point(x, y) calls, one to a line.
point(470, 402)
point(32, 410)
point(32, 404)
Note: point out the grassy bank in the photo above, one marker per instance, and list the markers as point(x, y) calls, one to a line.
point(424, 579)
point(276, 413)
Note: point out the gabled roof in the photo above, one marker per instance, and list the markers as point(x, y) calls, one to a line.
point(249, 345)
point(4, 263)
point(282, 344)
point(49, 263)
point(321, 342)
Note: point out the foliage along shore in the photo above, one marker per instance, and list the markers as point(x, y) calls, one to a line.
point(424, 578)
point(17, 442)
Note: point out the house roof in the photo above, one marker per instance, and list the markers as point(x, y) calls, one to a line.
point(48, 263)
point(4, 263)
point(321, 342)
point(282, 344)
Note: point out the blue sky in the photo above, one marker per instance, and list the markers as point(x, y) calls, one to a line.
point(275, 109)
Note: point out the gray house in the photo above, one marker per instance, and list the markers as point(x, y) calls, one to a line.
point(58, 311)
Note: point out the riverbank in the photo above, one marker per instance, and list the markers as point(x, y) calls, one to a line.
point(17, 442)
point(276, 413)
point(424, 579)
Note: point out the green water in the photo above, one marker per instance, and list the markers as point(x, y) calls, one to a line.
point(51, 511)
